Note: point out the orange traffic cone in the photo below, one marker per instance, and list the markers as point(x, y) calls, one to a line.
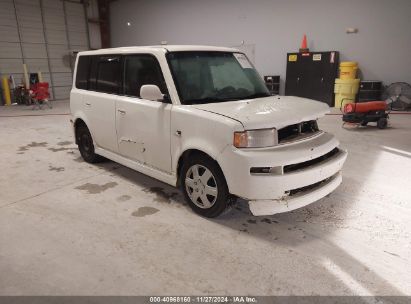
point(304, 48)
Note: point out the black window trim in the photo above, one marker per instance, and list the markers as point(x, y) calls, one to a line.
point(90, 68)
point(122, 75)
point(77, 71)
point(167, 99)
point(120, 80)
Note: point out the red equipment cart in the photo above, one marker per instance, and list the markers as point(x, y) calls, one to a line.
point(365, 112)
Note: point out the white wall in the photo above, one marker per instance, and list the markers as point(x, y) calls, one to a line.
point(382, 46)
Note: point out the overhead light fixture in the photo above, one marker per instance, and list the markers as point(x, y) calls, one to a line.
point(351, 30)
point(128, 24)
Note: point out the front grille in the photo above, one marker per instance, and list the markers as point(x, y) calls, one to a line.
point(297, 131)
point(308, 163)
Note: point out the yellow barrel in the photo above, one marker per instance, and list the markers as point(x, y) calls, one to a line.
point(348, 70)
point(6, 90)
point(345, 91)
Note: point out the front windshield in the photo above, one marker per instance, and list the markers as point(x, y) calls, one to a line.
point(208, 77)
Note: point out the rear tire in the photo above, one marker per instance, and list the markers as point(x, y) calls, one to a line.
point(382, 123)
point(86, 146)
point(204, 186)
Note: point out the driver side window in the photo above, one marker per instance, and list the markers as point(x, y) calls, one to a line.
point(140, 70)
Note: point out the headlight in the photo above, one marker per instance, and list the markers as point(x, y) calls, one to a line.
point(256, 138)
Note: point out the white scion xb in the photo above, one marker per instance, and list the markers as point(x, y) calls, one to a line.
point(201, 118)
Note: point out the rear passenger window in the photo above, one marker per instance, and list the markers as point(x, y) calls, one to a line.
point(107, 74)
point(140, 70)
point(83, 68)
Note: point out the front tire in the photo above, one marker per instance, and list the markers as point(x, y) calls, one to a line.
point(86, 146)
point(204, 186)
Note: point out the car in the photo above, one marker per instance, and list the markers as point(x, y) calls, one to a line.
point(201, 118)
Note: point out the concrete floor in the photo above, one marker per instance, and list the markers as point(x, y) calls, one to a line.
point(70, 228)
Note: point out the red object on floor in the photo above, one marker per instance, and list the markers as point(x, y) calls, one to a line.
point(40, 91)
point(364, 107)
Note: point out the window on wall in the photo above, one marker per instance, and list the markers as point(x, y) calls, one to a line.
point(140, 70)
point(83, 69)
point(107, 74)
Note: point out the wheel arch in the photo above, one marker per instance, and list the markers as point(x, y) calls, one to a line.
point(190, 153)
point(79, 121)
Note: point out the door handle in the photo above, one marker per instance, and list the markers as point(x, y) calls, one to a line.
point(88, 104)
point(122, 112)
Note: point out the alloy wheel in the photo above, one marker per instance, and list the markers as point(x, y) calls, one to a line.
point(201, 186)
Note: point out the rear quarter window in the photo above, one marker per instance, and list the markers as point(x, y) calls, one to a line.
point(83, 68)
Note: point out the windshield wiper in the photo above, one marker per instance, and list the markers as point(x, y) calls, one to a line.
point(208, 100)
point(256, 95)
point(213, 99)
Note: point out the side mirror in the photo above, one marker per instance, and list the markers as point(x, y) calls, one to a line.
point(151, 92)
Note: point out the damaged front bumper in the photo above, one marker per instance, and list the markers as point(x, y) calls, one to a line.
point(284, 178)
point(292, 202)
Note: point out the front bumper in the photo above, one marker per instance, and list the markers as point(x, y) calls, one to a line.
point(289, 203)
point(284, 191)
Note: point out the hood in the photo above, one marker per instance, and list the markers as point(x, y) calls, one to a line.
point(268, 112)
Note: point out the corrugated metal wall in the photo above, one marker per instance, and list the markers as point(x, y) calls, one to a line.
point(41, 33)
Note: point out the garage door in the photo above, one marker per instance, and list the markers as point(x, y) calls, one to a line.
point(42, 34)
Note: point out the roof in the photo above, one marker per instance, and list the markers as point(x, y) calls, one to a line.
point(160, 48)
point(177, 48)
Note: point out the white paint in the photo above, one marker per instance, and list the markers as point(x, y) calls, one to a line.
point(269, 112)
point(268, 207)
point(151, 92)
point(159, 49)
point(150, 136)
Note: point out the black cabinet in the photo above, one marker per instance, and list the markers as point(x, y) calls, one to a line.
point(370, 90)
point(312, 75)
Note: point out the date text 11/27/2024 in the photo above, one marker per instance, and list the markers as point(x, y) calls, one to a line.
point(203, 299)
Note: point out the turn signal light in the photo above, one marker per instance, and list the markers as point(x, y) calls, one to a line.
point(256, 138)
